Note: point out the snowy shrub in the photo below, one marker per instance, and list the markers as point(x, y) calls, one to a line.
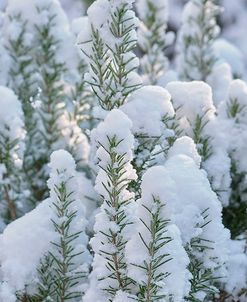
point(43, 59)
point(123, 172)
point(153, 39)
point(152, 114)
point(115, 147)
point(55, 246)
point(155, 248)
point(234, 111)
point(196, 37)
point(12, 135)
point(109, 38)
point(196, 118)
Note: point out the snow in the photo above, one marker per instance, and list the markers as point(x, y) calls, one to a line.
point(73, 9)
point(187, 194)
point(146, 108)
point(194, 192)
point(116, 124)
point(98, 13)
point(185, 145)
point(185, 184)
point(220, 80)
point(152, 114)
point(159, 152)
point(4, 58)
point(238, 91)
point(22, 247)
point(191, 99)
point(195, 55)
point(6, 294)
point(234, 24)
point(160, 5)
point(3, 5)
point(237, 268)
point(77, 24)
point(123, 297)
point(169, 76)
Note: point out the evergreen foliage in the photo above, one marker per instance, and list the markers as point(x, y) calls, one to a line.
point(112, 188)
point(150, 290)
point(12, 134)
point(112, 73)
point(198, 32)
point(153, 39)
point(114, 175)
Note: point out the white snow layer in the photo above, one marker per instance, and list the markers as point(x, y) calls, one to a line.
point(227, 52)
point(146, 108)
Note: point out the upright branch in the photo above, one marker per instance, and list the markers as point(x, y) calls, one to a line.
point(234, 112)
point(150, 253)
point(12, 136)
point(196, 37)
point(153, 39)
point(63, 269)
point(115, 145)
point(108, 45)
point(22, 69)
point(52, 128)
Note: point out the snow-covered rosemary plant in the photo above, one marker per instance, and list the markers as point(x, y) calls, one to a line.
point(194, 110)
point(108, 43)
point(51, 127)
point(155, 247)
point(196, 117)
point(22, 71)
point(153, 38)
point(68, 269)
point(50, 98)
point(200, 220)
point(234, 111)
point(12, 135)
point(196, 37)
point(83, 99)
point(115, 146)
point(82, 96)
point(3, 53)
point(152, 114)
point(63, 269)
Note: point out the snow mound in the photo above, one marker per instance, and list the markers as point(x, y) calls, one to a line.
point(146, 108)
